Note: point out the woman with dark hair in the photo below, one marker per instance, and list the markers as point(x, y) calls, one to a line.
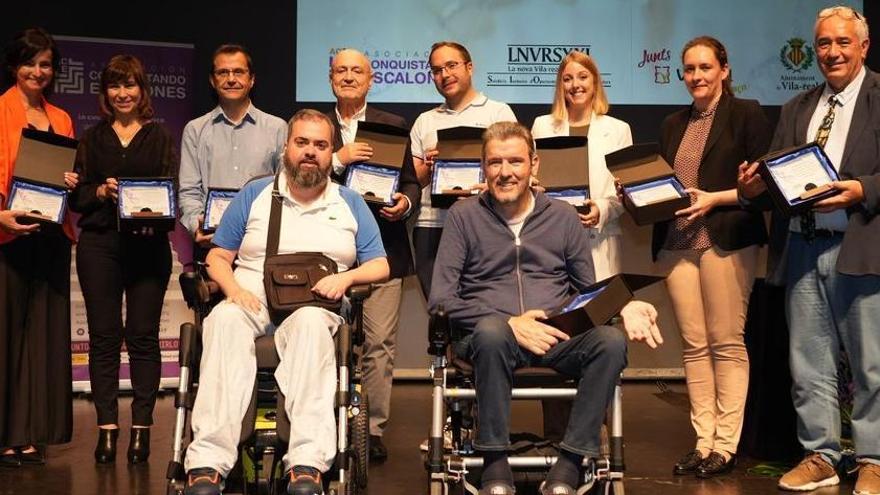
point(35, 372)
point(111, 263)
point(710, 250)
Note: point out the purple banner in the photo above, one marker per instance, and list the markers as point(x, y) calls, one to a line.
point(169, 68)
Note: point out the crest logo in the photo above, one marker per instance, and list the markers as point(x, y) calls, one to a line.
point(796, 55)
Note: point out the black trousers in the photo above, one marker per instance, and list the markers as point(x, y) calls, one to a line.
point(426, 241)
point(111, 263)
point(35, 394)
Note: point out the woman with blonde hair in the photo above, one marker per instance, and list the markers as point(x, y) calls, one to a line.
point(580, 102)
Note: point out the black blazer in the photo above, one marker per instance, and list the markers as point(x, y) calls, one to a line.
point(861, 161)
point(740, 132)
point(394, 234)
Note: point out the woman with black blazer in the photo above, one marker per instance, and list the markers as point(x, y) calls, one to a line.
point(710, 250)
point(111, 263)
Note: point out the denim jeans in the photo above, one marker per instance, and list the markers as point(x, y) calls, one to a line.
point(826, 310)
point(595, 358)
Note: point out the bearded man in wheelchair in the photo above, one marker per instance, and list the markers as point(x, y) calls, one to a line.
point(506, 258)
point(316, 216)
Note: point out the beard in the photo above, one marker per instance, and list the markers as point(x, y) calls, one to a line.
point(306, 177)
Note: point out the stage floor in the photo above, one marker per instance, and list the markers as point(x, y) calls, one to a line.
point(656, 426)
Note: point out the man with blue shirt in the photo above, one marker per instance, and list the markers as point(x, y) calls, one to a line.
point(339, 225)
point(229, 145)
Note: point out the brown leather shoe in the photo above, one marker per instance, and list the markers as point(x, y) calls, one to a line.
point(813, 472)
point(869, 479)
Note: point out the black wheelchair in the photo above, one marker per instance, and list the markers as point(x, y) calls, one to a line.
point(451, 460)
point(265, 428)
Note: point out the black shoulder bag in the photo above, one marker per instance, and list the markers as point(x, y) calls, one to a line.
point(289, 278)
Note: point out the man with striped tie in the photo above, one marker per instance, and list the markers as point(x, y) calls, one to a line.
point(828, 257)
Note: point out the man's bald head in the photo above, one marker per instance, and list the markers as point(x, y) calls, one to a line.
point(351, 76)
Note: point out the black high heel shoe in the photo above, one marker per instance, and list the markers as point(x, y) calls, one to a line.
point(139, 446)
point(10, 460)
point(105, 451)
point(32, 458)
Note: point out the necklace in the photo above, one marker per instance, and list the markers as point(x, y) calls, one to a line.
point(124, 136)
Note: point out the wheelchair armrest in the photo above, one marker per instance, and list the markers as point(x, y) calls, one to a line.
point(213, 287)
point(189, 286)
point(438, 333)
point(359, 293)
point(197, 290)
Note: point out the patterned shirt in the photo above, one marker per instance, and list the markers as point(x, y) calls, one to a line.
point(684, 233)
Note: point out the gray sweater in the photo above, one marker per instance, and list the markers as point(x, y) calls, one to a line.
point(481, 270)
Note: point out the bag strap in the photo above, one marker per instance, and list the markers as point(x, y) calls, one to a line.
point(274, 231)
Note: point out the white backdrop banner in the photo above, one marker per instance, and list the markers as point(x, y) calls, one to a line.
point(517, 45)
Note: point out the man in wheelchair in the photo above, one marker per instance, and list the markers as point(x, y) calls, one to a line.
point(505, 258)
point(316, 216)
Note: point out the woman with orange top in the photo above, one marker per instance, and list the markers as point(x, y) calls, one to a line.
point(35, 371)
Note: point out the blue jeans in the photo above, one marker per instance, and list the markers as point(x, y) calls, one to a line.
point(826, 310)
point(595, 357)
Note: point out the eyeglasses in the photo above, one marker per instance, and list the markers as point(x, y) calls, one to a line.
point(437, 70)
point(225, 73)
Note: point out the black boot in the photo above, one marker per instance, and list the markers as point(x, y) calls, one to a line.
point(105, 452)
point(139, 446)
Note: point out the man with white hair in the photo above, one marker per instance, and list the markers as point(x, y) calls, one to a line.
point(350, 79)
point(828, 257)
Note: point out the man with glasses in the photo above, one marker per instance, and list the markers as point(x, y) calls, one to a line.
point(350, 79)
point(828, 258)
point(229, 145)
point(452, 70)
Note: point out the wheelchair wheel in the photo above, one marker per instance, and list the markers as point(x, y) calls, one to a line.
point(360, 439)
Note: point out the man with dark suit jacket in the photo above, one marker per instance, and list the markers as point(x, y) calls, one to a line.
point(831, 269)
point(350, 79)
